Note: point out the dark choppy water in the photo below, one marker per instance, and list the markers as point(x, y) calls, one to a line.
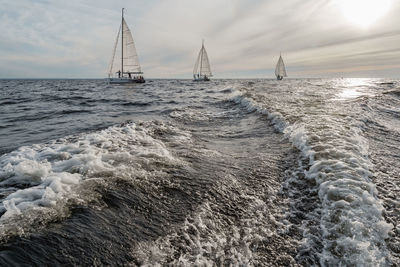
point(230, 172)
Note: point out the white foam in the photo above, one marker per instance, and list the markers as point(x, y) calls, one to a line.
point(252, 106)
point(207, 237)
point(207, 240)
point(354, 229)
point(52, 174)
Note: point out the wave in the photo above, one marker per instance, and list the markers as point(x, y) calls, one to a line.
point(12, 102)
point(38, 183)
point(136, 104)
point(207, 237)
point(352, 227)
point(48, 115)
point(395, 92)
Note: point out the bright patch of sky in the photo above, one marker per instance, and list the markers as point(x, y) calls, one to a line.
point(317, 38)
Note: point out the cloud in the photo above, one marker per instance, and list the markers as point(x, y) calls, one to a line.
point(243, 38)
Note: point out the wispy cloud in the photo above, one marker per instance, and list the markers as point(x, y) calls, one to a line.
point(243, 38)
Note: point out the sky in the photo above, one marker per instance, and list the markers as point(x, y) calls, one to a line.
point(243, 38)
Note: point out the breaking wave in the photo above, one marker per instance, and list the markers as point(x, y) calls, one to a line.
point(39, 182)
point(352, 227)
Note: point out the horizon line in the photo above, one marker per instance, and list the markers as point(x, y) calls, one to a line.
point(220, 78)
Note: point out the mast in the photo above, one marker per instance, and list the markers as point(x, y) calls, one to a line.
point(201, 57)
point(122, 43)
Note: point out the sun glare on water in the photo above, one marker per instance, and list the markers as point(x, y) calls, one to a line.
point(364, 12)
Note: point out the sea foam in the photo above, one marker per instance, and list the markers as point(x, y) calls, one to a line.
point(41, 179)
point(351, 221)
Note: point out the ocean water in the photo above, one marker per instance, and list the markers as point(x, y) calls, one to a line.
point(300, 172)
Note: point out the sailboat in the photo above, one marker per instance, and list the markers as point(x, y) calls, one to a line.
point(124, 65)
point(280, 70)
point(202, 69)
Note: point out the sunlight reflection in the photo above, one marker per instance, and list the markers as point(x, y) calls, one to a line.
point(353, 88)
point(349, 93)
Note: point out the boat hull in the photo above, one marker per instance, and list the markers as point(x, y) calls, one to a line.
point(124, 80)
point(201, 80)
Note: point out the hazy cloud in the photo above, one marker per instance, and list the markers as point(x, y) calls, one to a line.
point(243, 38)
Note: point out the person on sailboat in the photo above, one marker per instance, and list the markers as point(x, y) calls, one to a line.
point(129, 74)
point(119, 73)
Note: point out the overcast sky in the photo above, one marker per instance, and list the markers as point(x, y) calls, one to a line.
point(243, 38)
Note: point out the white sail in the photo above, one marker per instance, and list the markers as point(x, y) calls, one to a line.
point(280, 68)
point(124, 57)
point(112, 69)
point(196, 65)
point(131, 59)
point(202, 65)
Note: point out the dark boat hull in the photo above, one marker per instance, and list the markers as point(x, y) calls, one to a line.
point(201, 79)
point(124, 80)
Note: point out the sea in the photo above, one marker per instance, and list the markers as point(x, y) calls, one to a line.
point(258, 172)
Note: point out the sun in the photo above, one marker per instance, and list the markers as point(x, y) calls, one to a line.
point(364, 12)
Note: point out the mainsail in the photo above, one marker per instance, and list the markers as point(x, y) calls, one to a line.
point(280, 68)
point(124, 57)
point(202, 65)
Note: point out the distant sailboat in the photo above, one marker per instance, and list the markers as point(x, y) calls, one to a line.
point(202, 69)
point(126, 68)
point(280, 70)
